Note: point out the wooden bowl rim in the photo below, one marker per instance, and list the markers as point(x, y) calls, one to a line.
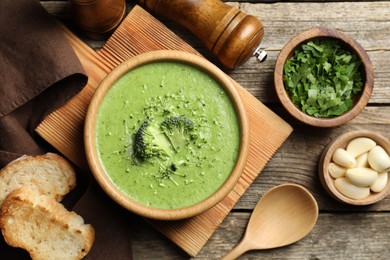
point(292, 45)
point(341, 142)
point(93, 159)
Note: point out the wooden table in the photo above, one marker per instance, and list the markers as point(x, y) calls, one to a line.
point(342, 232)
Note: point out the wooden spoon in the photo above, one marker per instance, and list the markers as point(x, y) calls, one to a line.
point(284, 215)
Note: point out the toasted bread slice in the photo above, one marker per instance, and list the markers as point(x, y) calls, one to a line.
point(42, 226)
point(51, 173)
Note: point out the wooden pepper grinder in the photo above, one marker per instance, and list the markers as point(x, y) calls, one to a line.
point(231, 35)
point(97, 18)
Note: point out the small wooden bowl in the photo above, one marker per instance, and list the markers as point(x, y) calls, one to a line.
point(349, 44)
point(326, 157)
point(90, 141)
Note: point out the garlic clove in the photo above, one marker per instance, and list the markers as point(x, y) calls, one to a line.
point(378, 159)
point(343, 158)
point(351, 191)
point(360, 145)
point(362, 177)
point(336, 171)
point(362, 160)
point(380, 182)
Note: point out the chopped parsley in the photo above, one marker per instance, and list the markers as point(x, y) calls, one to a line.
point(322, 78)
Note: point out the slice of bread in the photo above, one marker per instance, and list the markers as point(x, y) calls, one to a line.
point(42, 226)
point(51, 173)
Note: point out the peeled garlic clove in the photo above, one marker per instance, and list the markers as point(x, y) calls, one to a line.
point(343, 158)
point(336, 171)
point(362, 160)
point(351, 191)
point(378, 159)
point(360, 145)
point(362, 177)
point(380, 182)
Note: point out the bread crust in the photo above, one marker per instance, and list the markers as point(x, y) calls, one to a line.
point(51, 173)
point(42, 226)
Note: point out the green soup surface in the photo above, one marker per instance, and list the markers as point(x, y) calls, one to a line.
point(157, 91)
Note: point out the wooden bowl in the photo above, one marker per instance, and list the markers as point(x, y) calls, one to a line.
point(360, 101)
point(326, 157)
point(90, 140)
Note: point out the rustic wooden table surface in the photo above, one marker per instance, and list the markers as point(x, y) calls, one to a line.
point(342, 232)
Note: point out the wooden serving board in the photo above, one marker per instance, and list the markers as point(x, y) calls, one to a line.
point(140, 32)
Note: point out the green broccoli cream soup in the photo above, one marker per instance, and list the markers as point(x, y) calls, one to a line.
point(167, 135)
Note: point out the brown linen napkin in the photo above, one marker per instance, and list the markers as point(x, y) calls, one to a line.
point(38, 72)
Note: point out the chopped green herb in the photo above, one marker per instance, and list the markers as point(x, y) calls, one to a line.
point(322, 78)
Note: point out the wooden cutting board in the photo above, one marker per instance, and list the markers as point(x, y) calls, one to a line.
point(141, 32)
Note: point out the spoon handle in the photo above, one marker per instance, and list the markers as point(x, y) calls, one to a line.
point(241, 248)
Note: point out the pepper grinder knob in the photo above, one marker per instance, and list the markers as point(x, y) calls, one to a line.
point(231, 35)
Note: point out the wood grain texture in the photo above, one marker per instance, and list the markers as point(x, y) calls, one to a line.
point(335, 236)
point(368, 24)
point(342, 232)
point(139, 33)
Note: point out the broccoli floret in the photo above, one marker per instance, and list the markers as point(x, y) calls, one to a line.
point(168, 171)
point(179, 131)
point(150, 141)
